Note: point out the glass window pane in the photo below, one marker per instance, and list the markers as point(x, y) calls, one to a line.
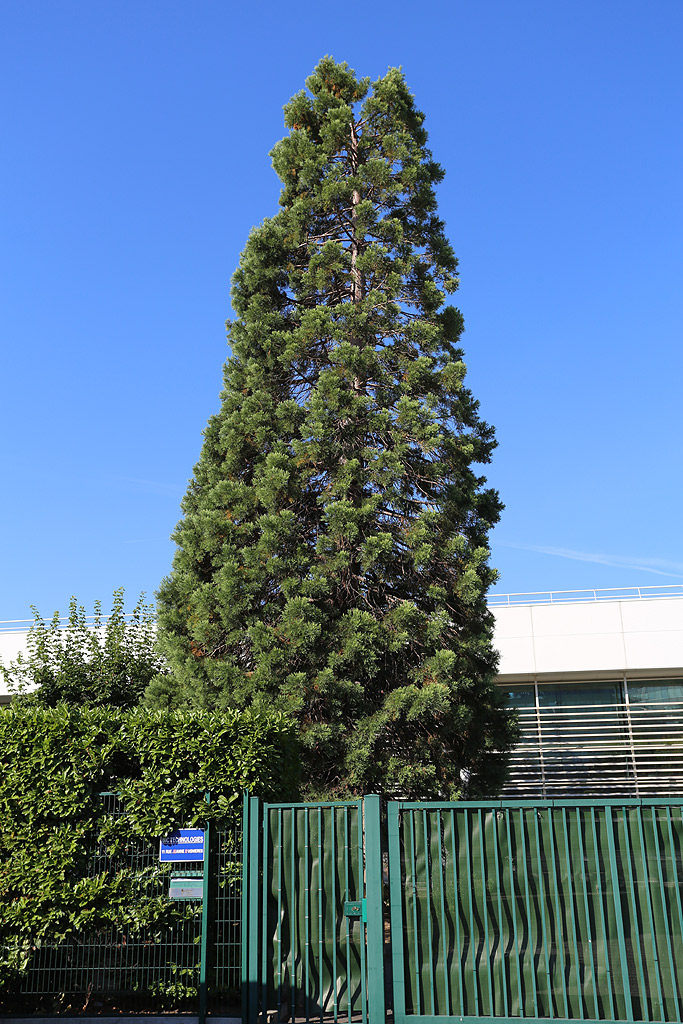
point(655, 689)
point(521, 697)
point(656, 711)
point(583, 735)
point(562, 695)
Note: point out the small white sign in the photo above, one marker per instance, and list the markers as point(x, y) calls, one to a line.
point(186, 889)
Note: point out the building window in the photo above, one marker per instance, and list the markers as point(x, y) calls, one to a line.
point(603, 738)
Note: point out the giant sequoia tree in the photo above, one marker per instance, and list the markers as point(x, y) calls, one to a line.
point(333, 555)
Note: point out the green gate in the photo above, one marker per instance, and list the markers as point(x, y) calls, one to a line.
point(313, 945)
point(568, 911)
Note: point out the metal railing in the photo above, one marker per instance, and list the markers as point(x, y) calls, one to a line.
point(584, 596)
point(24, 625)
point(587, 751)
point(493, 600)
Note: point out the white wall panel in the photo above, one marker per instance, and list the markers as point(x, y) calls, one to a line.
point(592, 652)
point(517, 655)
point(653, 616)
point(592, 638)
point(649, 651)
point(576, 619)
point(513, 622)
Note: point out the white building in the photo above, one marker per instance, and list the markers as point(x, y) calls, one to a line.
point(597, 677)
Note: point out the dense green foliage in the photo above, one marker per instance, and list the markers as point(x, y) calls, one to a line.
point(95, 660)
point(333, 555)
point(53, 765)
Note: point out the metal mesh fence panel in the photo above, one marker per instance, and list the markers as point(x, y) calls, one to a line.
point(147, 967)
point(550, 911)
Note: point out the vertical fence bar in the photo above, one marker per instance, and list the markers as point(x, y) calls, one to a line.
point(292, 918)
point(628, 853)
point(677, 882)
point(207, 909)
point(266, 882)
point(347, 921)
point(278, 927)
point(541, 900)
point(513, 911)
point(426, 840)
point(665, 913)
point(485, 910)
point(559, 941)
point(320, 910)
point(573, 913)
point(499, 886)
point(333, 845)
point(650, 914)
point(608, 967)
point(527, 901)
point(470, 924)
point(265, 887)
point(361, 924)
point(307, 917)
point(245, 908)
point(375, 923)
point(413, 869)
point(396, 908)
point(253, 978)
point(444, 944)
point(456, 914)
point(616, 891)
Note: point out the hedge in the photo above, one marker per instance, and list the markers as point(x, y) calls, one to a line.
point(54, 763)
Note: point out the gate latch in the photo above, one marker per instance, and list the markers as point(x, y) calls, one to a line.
point(356, 908)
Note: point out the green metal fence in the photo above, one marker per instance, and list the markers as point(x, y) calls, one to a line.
point(566, 911)
point(152, 968)
point(314, 948)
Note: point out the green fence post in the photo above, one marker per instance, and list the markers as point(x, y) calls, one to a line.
point(244, 906)
point(253, 910)
point(665, 914)
point(375, 923)
point(207, 909)
point(616, 893)
point(395, 902)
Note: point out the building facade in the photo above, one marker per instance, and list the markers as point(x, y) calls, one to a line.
point(597, 678)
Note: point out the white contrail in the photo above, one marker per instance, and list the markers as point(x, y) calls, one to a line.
point(658, 566)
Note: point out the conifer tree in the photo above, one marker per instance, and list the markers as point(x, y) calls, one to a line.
point(333, 554)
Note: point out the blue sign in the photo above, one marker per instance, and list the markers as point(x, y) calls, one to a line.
point(183, 844)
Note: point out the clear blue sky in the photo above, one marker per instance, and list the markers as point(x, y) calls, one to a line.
point(136, 139)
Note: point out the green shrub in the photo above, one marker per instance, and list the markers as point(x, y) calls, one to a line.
point(99, 659)
point(55, 762)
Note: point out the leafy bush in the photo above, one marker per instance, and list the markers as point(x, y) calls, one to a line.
point(54, 763)
point(99, 660)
